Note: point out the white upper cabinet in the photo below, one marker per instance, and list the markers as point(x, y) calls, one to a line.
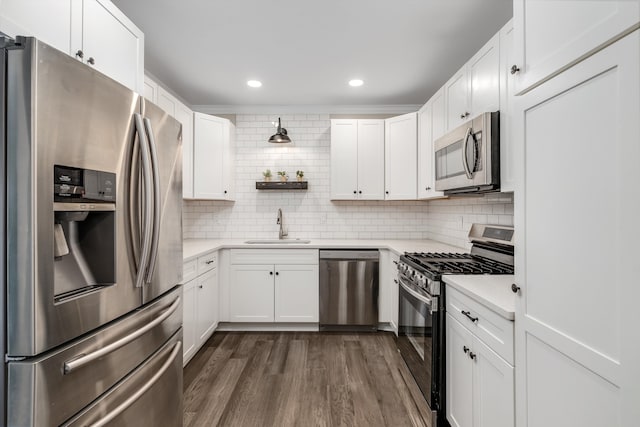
point(96, 32)
point(107, 40)
point(578, 204)
point(150, 90)
point(483, 70)
point(166, 101)
point(507, 157)
point(357, 159)
point(457, 93)
point(475, 88)
point(426, 164)
point(551, 35)
point(438, 114)
point(49, 21)
point(401, 152)
point(213, 157)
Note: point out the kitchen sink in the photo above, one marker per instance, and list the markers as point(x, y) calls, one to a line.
point(277, 242)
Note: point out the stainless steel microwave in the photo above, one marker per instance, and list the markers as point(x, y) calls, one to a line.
point(467, 159)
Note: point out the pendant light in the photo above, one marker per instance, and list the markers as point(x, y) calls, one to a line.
point(280, 136)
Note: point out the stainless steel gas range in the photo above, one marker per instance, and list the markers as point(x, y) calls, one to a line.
point(421, 337)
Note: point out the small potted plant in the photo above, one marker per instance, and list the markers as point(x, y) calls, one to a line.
point(267, 175)
point(283, 176)
point(300, 176)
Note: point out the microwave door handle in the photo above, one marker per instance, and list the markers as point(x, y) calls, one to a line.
point(157, 205)
point(465, 163)
point(142, 390)
point(147, 201)
point(83, 359)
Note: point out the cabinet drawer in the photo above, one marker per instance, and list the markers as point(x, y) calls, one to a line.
point(494, 330)
point(189, 270)
point(207, 262)
point(274, 256)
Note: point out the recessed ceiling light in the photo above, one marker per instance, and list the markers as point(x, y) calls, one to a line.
point(254, 83)
point(356, 82)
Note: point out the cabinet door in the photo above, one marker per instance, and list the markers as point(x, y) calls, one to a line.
point(578, 137)
point(459, 374)
point(229, 161)
point(457, 93)
point(426, 165)
point(546, 46)
point(150, 91)
point(49, 21)
point(208, 156)
point(167, 102)
point(344, 159)
point(296, 293)
point(507, 158)
point(207, 303)
point(484, 78)
point(251, 293)
point(112, 43)
point(185, 116)
point(439, 114)
point(401, 152)
point(370, 164)
point(189, 325)
point(493, 389)
point(394, 290)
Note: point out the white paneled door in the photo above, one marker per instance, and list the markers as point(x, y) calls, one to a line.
point(577, 215)
point(401, 157)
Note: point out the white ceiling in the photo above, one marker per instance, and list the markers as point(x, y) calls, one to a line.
point(305, 52)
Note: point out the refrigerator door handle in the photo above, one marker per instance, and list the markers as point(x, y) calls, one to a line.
point(142, 390)
point(157, 203)
point(147, 200)
point(83, 359)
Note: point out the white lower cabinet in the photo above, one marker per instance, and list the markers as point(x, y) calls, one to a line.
point(200, 306)
point(480, 383)
point(263, 290)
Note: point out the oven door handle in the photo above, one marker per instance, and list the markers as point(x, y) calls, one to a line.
point(415, 294)
point(465, 163)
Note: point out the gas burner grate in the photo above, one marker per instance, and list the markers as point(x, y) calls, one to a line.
point(457, 263)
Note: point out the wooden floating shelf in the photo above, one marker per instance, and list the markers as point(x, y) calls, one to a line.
point(279, 185)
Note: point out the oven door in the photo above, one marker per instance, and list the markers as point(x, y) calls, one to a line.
point(467, 158)
point(419, 338)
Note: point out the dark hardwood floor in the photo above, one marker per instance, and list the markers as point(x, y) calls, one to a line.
point(301, 379)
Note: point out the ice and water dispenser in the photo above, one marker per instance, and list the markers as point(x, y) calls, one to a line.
point(84, 231)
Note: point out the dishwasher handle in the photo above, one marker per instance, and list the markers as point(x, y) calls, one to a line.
point(356, 255)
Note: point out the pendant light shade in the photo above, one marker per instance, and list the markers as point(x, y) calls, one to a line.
point(280, 136)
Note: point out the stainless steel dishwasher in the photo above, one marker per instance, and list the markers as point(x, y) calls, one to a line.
point(349, 289)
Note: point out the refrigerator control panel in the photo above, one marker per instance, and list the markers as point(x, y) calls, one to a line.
point(80, 185)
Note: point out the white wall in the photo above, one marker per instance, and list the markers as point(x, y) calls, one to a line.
point(310, 213)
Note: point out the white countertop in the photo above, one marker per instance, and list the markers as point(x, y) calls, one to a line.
point(193, 247)
point(492, 291)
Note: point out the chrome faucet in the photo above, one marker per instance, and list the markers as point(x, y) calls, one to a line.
point(282, 233)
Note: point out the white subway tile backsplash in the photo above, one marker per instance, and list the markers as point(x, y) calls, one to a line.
point(310, 214)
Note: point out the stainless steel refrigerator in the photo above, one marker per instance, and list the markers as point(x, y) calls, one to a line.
point(92, 248)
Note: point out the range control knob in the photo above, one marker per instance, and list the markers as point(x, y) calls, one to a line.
point(422, 282)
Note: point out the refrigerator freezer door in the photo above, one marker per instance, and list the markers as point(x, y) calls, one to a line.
point(62, 112)
point(165, 137)
point(50, 389)
point(150, 396)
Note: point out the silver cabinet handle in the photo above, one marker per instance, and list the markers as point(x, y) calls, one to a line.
point(142, 390)
point(147, 200)
point(209, 262)
point(157, 203)
point(514, 69)
point(73, 364)
point(91, 61)
point(80, 54)
point(465, 163)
